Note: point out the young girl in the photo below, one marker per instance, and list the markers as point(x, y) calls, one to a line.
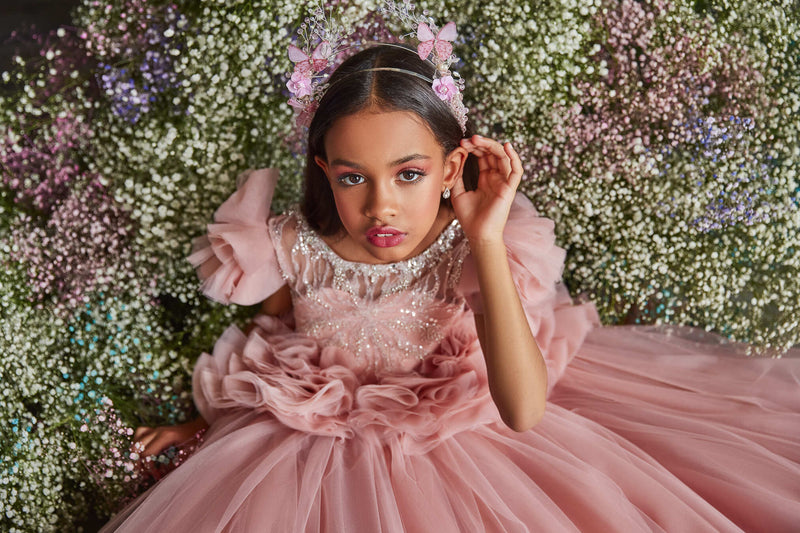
point(413, 329)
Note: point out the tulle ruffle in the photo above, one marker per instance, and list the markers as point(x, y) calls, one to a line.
point(535, 260)
point(321, 390)
point(558, 325)
point(236, 259)
point(568, 474)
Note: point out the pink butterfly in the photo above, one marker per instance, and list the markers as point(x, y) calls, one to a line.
point(428, 42)
point(315, 63)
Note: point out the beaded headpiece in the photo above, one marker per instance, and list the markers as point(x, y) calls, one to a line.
point(322, 46)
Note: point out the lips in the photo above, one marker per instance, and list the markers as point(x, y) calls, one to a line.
point(385, 236)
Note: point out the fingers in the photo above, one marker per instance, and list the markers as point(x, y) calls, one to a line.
point(486, 151)
point(458, 187)
point(516, 166)
point(149, 441)
point(141, 438)
point(495, 157)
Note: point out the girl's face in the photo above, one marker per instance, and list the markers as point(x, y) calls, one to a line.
point(387, 173)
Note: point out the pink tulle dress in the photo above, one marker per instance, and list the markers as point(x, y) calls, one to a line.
point(368, 410)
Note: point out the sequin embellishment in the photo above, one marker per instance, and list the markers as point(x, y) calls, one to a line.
point(388, 315)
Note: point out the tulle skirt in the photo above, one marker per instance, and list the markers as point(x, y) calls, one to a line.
point(647, 430)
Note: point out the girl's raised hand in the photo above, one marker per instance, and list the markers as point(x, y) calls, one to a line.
point(484, 211)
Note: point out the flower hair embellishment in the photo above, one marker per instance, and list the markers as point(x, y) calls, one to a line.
point(317, 62)
point(322, 40)
point(428, 41)
point(445, 88)
point(434, 46)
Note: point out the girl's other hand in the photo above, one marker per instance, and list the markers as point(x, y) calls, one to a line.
point(484, 211)
point(149, 441)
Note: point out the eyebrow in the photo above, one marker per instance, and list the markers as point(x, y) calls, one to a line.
point(406, 159)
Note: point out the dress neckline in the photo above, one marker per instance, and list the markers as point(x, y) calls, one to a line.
point(442, 244)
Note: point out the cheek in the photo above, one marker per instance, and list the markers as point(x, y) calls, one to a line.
point(423, 204)
point(432, 202)
point(347, 207)
point(433, 192)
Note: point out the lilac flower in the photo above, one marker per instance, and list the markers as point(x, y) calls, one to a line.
point(637, 97)
point(128, 101)
point(148, 66)
point(730, 209)
point(719, 164)
point(300, 83)
point(445, 88)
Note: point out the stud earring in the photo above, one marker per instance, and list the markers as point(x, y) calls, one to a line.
point(446, 193)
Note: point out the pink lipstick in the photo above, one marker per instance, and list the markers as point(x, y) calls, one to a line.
point(385, 236)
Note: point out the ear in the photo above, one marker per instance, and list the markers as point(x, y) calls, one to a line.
point(454, 166)
point(321, 163)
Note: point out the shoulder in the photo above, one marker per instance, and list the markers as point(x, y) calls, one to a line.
point(253, 197)
point(535, 260)
point(531, 243)
point(236, 258)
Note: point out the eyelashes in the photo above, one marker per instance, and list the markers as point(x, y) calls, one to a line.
point(409, 176)
point(414, 174)
point(348, 180)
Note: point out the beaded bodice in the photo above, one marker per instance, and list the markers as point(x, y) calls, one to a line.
point(387, 316)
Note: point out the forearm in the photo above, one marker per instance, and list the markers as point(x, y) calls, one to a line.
point(516, 369)
point(153, 440)
point(197, 424)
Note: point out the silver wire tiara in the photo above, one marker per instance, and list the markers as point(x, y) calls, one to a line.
point(321, 47)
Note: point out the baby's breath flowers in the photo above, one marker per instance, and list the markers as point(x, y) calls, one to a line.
point(672, 182)
point(662, 136)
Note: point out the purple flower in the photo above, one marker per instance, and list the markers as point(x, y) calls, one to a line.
point(147, 70)
point(445, 88)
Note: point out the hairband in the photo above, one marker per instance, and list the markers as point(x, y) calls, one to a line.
point(322, 45)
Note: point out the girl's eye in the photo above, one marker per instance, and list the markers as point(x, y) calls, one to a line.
point(411, 176)
point(350, 179)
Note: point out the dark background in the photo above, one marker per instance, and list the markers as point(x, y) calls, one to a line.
point(23, 16)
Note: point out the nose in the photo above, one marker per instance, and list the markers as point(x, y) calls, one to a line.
point(382, 200)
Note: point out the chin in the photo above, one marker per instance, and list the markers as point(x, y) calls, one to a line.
point(392, 254)
point(384, 256)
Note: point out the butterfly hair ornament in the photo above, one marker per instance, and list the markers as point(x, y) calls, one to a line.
point(323, 42)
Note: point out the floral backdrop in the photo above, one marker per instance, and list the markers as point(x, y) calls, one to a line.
point(663, 136)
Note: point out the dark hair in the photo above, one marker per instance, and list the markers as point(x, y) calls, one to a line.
point(353, 88)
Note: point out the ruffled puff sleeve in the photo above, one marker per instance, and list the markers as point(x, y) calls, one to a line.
point(236, 260)
point(536, 263)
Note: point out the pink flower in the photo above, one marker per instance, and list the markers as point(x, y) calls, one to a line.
point(300, 84)
point(307, 114)
point(445, 88)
